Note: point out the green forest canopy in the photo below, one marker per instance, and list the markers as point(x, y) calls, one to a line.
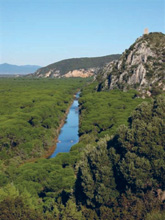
point(31, 111)
point(114, 172)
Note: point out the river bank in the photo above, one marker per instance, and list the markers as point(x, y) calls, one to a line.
point(52, 149)
point(47, 154)
point(68, 132)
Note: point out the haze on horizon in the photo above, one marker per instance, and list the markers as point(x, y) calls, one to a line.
point(40, 32)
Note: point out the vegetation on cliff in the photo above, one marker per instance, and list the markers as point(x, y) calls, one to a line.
point(140, 67)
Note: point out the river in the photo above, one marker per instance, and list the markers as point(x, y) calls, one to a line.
point(69, 132)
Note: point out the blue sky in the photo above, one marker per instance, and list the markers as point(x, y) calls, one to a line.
point(45, 31)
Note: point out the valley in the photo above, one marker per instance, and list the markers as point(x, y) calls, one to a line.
point(107, 160)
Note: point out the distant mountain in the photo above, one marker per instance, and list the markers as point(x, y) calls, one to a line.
point(75, 67)
point(9, 69)
point(141, 67)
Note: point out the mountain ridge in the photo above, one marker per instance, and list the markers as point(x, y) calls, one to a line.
point(6, 68)
point(75, 67)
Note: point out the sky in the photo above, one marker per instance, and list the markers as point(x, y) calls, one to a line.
point(41, 32)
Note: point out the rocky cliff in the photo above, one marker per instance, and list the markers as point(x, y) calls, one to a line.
point(142, 66)
point(77, 67)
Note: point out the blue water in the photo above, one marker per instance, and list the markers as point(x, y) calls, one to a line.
point(69, 132)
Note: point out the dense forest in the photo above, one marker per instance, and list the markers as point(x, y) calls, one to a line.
point(30, 115)
point(122, 176)
point(116, 171)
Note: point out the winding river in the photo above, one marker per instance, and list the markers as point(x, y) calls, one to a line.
point(69, 132)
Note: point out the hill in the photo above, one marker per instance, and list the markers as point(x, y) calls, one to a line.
point(75, 67)
point(9, 69)
point(142, 66)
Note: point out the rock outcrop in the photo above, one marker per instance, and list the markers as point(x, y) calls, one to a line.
point(142, 66)
point(82, 73)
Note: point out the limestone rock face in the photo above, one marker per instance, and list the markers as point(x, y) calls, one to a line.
point(81, 73)
point(75, 73)
point(142, 66)
point(50, 73)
